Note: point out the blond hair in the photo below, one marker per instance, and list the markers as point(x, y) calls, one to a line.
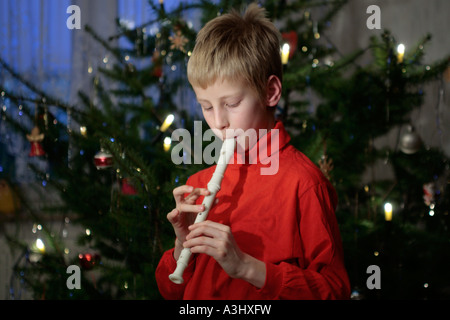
point(237, 47)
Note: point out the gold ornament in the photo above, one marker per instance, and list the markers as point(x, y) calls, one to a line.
point(178, 41)
point(8, 200)
point(326, 165)
point(447, 74)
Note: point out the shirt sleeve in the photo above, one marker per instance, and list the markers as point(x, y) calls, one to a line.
point(167, 264)
point(319, 272)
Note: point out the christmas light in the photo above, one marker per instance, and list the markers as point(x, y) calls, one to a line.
point(167, 143)
point(83, 131)
point(400, 52)
point(167, 122)
point(40, 245)
point(388, 211)
point(285, 53)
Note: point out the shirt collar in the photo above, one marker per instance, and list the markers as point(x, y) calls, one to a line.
point(267, 146)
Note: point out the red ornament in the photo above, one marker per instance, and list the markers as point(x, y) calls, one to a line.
point(127, 187)
point(428, 193)
point(103, 160)
point(157, 64)
point(88, 260)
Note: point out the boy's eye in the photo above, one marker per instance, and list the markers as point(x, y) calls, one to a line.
point(232, 105)
point(205, 108)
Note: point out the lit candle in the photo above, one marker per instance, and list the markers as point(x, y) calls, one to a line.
point(167, 143)
point(83, 131)
point(388, 211)
point(400, 52)
point(285, 53)
point(40, 246)
point(167, 122)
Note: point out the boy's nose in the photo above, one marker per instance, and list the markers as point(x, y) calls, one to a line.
point(220, 119)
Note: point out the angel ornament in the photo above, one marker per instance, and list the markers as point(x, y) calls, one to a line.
point(35, 139)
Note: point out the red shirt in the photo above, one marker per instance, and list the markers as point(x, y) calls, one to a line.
point(285, 219)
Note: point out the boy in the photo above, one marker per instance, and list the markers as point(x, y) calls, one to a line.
point(272, 236)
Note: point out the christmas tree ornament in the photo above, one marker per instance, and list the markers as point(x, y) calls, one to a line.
point(428, 193)
point(103, 160)
point(410, 141)
point(127, 187)
point(326, 165)
point(35, 138)
point(129, 69)
point(88, 261)
point(157, 64)
point(178, 41)
point(8, 201)
point(447, 75)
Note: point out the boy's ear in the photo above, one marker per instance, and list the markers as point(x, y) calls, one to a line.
point(273, 91)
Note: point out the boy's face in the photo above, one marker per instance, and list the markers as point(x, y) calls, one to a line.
point(227, 105)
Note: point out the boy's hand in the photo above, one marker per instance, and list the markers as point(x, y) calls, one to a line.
point(186, 210)
point(217, 241)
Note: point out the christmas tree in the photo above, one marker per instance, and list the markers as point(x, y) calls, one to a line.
point(113, 170)
point(354, 111)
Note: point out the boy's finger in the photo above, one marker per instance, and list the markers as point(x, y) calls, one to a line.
point(197, 192)
point(195, 208)
point(179, 192)
point(171, 216)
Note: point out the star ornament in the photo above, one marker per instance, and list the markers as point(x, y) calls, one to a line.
point(326, 165)
point(178, 41)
